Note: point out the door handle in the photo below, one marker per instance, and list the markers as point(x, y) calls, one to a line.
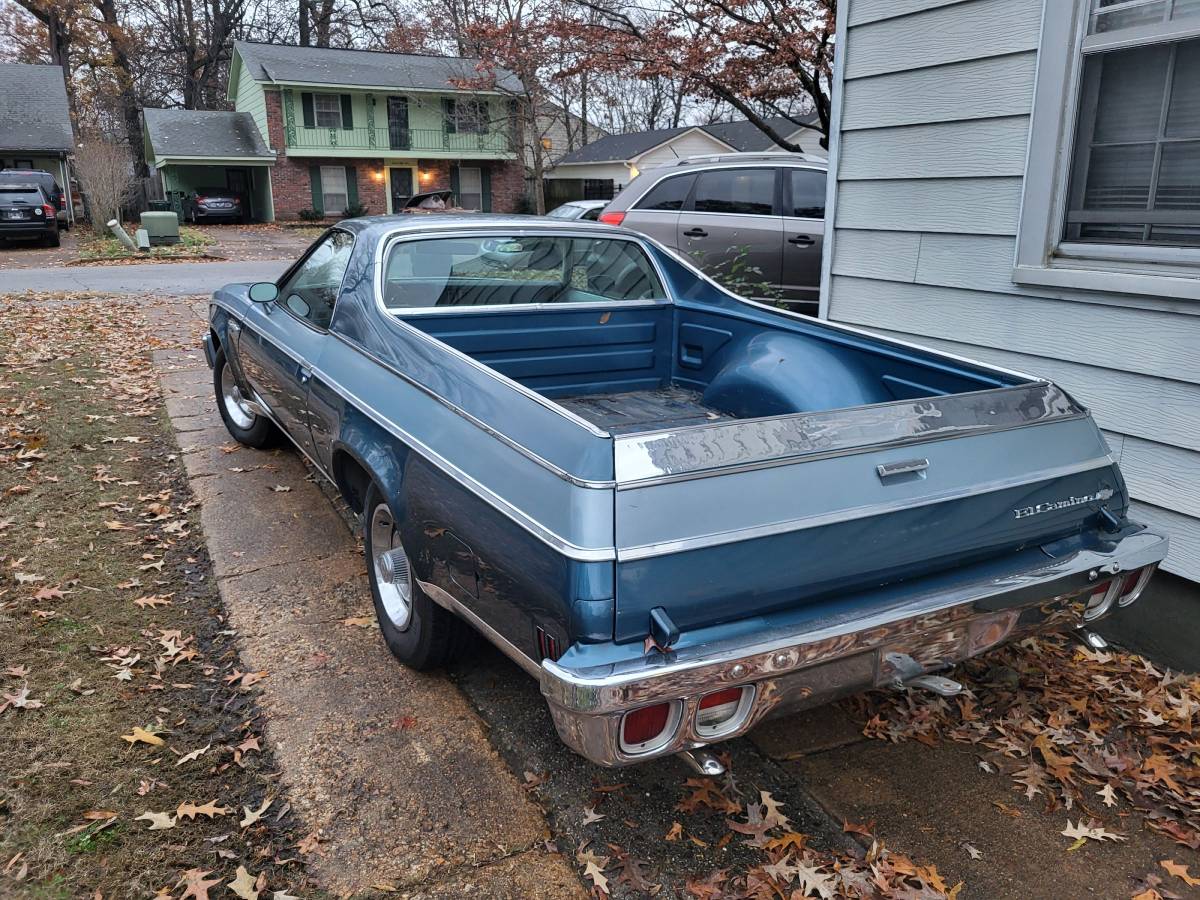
point(305, 374)
point(695, 232)
point(802, 239)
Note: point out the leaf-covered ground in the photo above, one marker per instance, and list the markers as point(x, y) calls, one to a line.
point(131, 762)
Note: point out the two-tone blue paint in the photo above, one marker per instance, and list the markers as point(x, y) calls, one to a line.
point(518, 510)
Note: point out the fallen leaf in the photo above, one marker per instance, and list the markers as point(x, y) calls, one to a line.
point(281, 489)
point(243, 885)
point(1179, 871)
point(141, 735)
point(1090, 832)
point(152, 602)
point(594, 872)
point(159, 821)
point(195, 884)
point(590, 815)
point(253, 815)
point(210, 809)
point(20, 700)
point(1108, 795)
point(359, 621)
point(675, 833)
point(194, 755)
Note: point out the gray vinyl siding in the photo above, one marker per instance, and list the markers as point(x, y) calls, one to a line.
point(931, 152)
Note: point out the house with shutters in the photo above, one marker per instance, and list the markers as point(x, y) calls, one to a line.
point(330, 130)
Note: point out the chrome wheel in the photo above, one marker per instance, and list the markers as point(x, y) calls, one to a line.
point(393, 578)
point(235, 404)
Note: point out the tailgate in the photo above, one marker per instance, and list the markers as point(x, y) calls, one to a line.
point(723, 522)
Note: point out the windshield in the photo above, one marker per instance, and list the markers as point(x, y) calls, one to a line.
point(566, 211)
point(498, 270)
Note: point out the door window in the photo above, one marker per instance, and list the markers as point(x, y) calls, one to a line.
point(736, 191)
point(808, 194)
point(470, 188)
point(333, 190)
point(668, 195)
point(311, 291)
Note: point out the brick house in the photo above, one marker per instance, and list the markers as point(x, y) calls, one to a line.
point(354, 127)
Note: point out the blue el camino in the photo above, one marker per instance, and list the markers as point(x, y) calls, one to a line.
point(681, 511)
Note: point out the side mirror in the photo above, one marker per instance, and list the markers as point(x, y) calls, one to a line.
point(264, 292)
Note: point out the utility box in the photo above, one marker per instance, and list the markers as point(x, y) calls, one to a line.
point(162, 227)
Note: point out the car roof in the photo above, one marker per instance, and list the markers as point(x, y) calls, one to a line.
point(726, 160)
point(378, 227)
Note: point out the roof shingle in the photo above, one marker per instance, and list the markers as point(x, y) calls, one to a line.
point(362, 68)
point(204, 133)
point(33, 109)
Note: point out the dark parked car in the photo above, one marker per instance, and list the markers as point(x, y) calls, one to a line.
point(45, 180)
point(753, 221)
point(26, 212)
point(214, 203)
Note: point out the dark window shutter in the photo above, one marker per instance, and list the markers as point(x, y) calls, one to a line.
point(351, 187)
point(485, 180)
point(318, 198)
point(454, 185)
point(448, 115)
point(310, 117)
point(347, 112)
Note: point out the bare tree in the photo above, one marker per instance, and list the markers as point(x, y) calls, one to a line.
point(105, 172)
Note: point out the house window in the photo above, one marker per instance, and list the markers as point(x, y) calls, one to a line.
point(333, 190)
point(1112, 187)
point(470, 188)
point(327, 109)
point(469, 116)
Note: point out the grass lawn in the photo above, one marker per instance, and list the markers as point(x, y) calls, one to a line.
point(192, 242)
point(131, 750)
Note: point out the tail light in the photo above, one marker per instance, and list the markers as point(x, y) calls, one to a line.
point(547, 644)
point(1133, 584)
point(1101, 598)
point(649, 728)
point(200, 199)
point(723, 711)
point(612, 218)
point(48, 209)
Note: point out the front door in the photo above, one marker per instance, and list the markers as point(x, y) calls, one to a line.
point(238, 181)
point(401, 186)
point(398, 134)
point(731, 230)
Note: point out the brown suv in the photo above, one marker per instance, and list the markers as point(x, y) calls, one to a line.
point(755, 222)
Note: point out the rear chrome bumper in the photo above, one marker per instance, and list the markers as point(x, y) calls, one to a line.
point(790, 671)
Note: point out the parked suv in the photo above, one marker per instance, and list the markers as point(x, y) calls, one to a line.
point(51, 188)
point(753, 221)
point(26, 212)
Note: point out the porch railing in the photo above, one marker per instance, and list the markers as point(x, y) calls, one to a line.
point(388, 138)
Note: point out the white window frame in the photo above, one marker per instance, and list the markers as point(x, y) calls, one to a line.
point(326, 206)
point(1042, 257)
point(336, 111)
point(462, 193)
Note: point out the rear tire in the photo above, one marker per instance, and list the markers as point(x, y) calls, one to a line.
point(246, 426)
point(417, 631)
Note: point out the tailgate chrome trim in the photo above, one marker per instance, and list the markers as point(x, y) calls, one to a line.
point(801, 523)
point(697, 451)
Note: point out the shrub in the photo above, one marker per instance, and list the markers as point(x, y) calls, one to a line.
point(311, 215)
point(354, 210)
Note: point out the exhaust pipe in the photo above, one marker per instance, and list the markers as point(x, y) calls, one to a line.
point(702, 762)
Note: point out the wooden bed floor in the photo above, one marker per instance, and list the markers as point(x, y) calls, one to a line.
point(635, 411)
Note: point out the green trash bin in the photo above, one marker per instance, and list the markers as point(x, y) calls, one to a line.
point(160, 206)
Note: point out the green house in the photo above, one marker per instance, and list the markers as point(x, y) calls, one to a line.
point(343, 129)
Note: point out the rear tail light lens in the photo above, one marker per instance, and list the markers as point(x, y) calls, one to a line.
point(1133, 584)
point(48, 209)
point(547, 644)
point(1101, 598)
point(649, 728)
point(723, 711)
point(612, 218)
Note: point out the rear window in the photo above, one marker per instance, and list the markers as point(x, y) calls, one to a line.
point(669, 194)
point(738, 191)
point(20, 190)
point(501, 270)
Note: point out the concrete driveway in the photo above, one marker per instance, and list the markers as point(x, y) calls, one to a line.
point(177, 279)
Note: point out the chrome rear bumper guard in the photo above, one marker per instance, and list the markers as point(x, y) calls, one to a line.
point(793, 671)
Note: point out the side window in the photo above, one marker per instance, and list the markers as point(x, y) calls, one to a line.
point(738, 191)
point(808, 194)
point(668, 195)
point(312, 290)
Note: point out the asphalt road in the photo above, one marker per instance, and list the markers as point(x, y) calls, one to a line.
point(159, 278)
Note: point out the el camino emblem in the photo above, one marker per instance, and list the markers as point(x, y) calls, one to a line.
point(1066, 503)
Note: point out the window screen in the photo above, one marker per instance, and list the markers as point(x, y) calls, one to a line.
point(1135, 173)
point(502, 270)
point(738, 191)
point(668, 195)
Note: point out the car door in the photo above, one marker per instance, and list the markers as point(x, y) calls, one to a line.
point(731, 228)
point(657, 213)
point(803, 236)
point(283, 339)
